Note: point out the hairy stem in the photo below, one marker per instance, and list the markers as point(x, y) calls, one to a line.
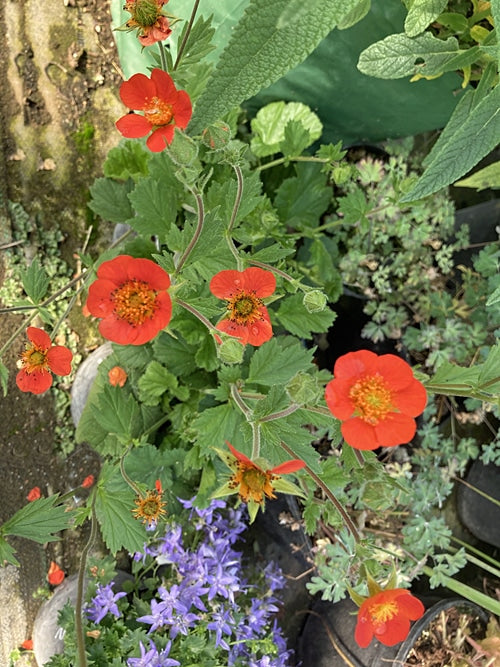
point(281, 413)
point(338, 506)
point(197, 231)
point(80, 637)
point(197, 314)
point(186, 36)
point(234, 213)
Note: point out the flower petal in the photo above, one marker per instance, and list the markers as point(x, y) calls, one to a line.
point(412, 399)
point(363, 634)
point(359, 434)
point(395, 371)
point(337, 398)
point(411, 606)
point(393, 631)
point(164, 85)
point(239, 331)
point(260, 281)
point(136, 92)
point(289, 466)
point(35, 383)
point(160, 138)
point(146, 270)
point(395, 429)
point(59, 359)
point(240, 456)
point(354, 364)
point(99, 303)
point(118, 331)
point(133, 126)
point(115, 269)
point(182, 109)
point(261, 330)
point(39, 337)
point(226, 283)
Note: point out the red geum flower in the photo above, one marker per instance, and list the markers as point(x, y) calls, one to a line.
point(27, 645)
point(34, 494)
point(247, 319)
point(39, 359)
point(88, 482)
point(376, 398)
point(117, 376)
point(55, 575)
point(164, 108)
point(147, 17)
point(256, 480)
point(130, 294)
point(386, 616)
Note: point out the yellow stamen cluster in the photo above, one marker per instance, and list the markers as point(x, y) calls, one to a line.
point(381, 613)
point(135, 302)
point(244, 308)
point(372, 398)
point(145, 13)
point(34, 359)
point(253, 483)
point(158, 112)
point(149, 508)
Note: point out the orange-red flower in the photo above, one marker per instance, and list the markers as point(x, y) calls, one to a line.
point(256, 480)
point(376, 398)
point(151, 506)
point(39, 359)
point(27, 645)
point(34, 494)
point(117, 376)
point(386, 616)
point(55, 575)
point(163, 106)
point(152, 26)
point(247, 318)
point(130, 295)
point(88, 482)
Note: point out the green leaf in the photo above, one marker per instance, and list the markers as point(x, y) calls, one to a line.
point(253, 59)
point(465, 145)
point(488, 177)
point(7, 553)
point(489, 374)
point(493, 298)
point(270, 124)
point(114, 503)
point(128, 160)
point(4, 377)
point(155, 381)
point(301, 200)
point(118, 412)
point(450, 375)
point(176, 353)
point(354, 15)
point(278, 361)
point(110, 199)
point(156, 206)
point(216, 425)
point(398, 56)
point(421, 14)
point(294, 317)
point(38, 520)
point(35, 281)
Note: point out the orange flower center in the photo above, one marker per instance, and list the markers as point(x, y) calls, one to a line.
point(383, 612)
point(253, 483)
point(244, 308)
point(34, 359)
point(158, 112)
point(372, 398)
point(150, 508)
point(135, 302)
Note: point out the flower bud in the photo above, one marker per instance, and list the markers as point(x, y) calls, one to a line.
point(314, 301)
point(230, 351)
point(303, 388)
point(216, 136)
point(183, 151)
point(341, 174)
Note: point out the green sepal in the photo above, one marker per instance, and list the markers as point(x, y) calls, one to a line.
point(284, 486)
point(373, 587)
point(355, 597)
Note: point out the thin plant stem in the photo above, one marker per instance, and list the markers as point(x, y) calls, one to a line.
point(132, 484)
point(473, 488)
point(80, 637)
point(241, 403)
point(298, 158)
point(282, 413)
point(484, 556)
point(197, 314)
point(49, 299)
point(255, 440)
point(68, 307)
point(16, 333)
point(162, 56)
point(278, 272)
point(338, 506)
point(234, 213)
point(186, 36)
point(197, 231)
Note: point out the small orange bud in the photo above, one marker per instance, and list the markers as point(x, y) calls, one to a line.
point(55, 575)
point(34, 494)
point(88, 482)
point(27, 645)
point(117, 376)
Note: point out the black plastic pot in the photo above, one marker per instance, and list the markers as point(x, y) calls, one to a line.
point(328, 636)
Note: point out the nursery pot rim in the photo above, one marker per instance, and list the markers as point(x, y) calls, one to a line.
point(431, 613)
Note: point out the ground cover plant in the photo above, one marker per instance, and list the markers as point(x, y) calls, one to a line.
point(239, 237)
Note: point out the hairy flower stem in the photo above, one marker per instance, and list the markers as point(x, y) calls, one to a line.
point(249, 417)
point(234, 213)
point(282, 413)
point(268, 267)
point(80, 637)
point(186, 36)
point(132, 484)
point(241, 403)
point(163, 57)
point(197, 231)
point(197, 314)
point(346, 518)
